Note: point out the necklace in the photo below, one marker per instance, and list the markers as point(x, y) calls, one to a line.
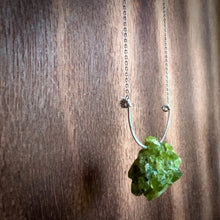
point(157, 164)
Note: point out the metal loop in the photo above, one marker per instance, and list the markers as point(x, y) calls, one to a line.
point(166, 108)
point(125, 103)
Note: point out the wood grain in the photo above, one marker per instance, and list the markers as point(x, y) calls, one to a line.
point(65, 146)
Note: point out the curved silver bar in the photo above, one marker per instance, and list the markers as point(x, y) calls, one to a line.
point(126, 103)
point(166, 108)
point(132, 129)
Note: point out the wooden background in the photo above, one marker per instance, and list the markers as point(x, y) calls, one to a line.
point(65, 142)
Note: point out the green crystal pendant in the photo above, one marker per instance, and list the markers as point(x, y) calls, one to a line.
point(155, 169)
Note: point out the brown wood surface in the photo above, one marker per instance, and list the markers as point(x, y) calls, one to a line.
point(65, 146)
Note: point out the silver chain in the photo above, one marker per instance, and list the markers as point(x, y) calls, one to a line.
point(166, 51)
point(125, 29)
point(125, 32)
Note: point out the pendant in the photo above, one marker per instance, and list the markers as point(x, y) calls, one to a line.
point(157, 164)
point(155, 169)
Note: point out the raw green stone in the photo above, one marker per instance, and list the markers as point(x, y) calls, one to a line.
point(155, 169)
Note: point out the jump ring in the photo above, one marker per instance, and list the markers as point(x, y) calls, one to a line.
point(166, 108)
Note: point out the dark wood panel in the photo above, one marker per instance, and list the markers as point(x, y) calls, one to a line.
point(65, 146)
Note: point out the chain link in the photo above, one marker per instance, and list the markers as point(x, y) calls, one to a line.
point(125, 32)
